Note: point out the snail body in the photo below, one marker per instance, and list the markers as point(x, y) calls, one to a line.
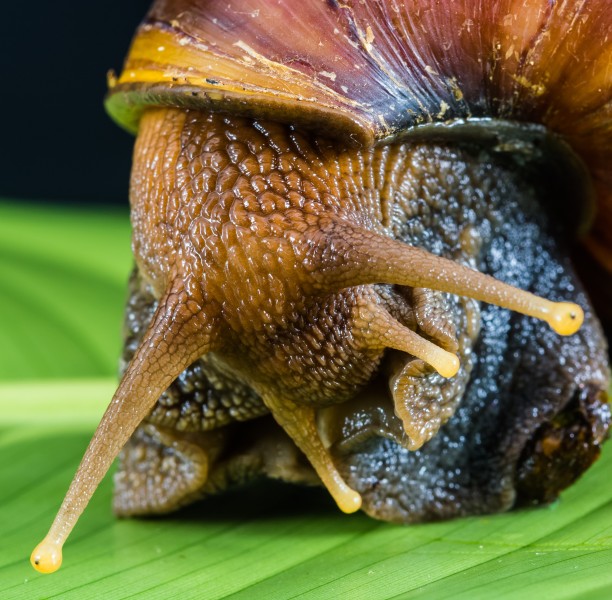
point(309, 234)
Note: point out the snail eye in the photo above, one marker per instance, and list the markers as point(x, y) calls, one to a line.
point(47, 556)
point(178, 334)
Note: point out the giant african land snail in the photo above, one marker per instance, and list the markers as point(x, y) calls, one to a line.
point(299, 170)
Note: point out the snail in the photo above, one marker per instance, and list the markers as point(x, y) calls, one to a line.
point(335, 208)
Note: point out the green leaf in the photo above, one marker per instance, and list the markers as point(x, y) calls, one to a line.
point(62, 276)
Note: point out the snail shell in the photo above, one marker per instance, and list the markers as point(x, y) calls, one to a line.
point(305, 207)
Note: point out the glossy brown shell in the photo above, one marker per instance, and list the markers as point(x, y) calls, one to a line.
point(374, 71)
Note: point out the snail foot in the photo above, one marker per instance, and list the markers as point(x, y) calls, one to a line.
point(174, 468)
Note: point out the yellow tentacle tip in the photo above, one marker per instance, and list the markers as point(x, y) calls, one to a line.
point(349, 502)
point(447, 364)
point(47, 557)
point(565, 318)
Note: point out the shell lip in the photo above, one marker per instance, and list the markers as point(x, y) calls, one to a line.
point(126, 102)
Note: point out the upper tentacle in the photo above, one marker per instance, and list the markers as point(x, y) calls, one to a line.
point(368, 257)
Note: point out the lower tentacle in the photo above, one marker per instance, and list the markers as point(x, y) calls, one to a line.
point(380, 330)
point(298, 421)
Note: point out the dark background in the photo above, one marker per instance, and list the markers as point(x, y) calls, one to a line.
point(57, 143)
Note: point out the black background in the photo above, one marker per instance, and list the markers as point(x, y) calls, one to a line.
point(57, 143)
